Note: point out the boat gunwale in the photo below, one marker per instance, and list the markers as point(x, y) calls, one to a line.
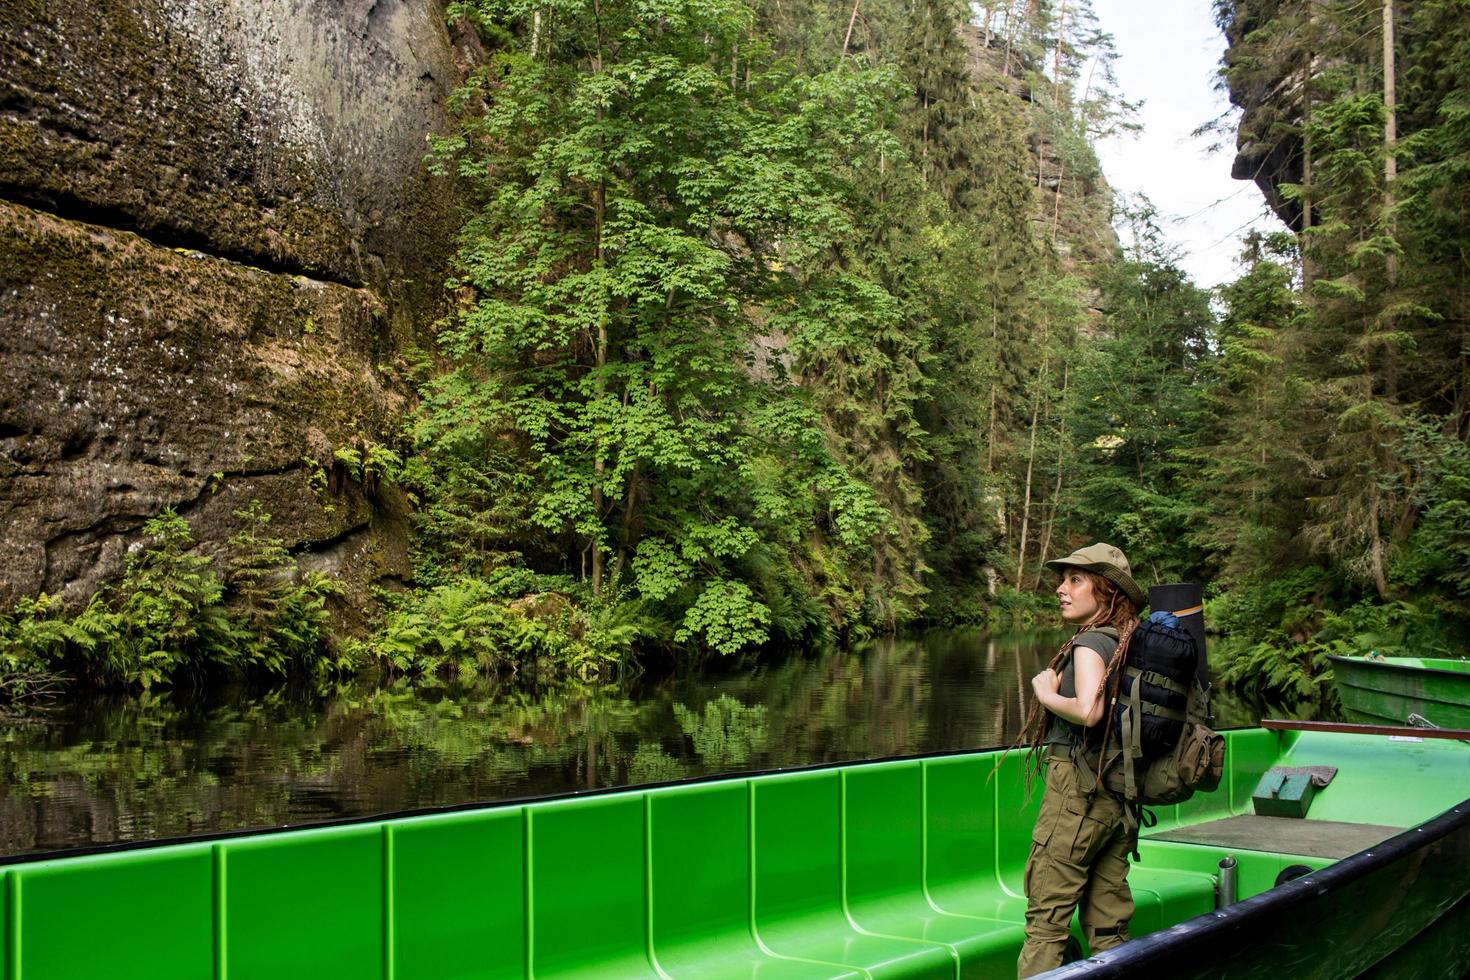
point(1127, 959)
point(1402, 668)
point(213, 836)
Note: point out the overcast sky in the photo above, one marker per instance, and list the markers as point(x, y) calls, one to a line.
point(1168, 52)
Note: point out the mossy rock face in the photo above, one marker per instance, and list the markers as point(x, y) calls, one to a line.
point(286, 135)
point(217, 237)
point(134, 378)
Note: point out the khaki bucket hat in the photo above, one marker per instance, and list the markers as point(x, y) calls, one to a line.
point(1107, 561)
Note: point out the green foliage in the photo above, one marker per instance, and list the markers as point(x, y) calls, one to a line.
point(1265, 673)
point(728, 616)
point(33, 640)
point(610, 335)
point(279, 615)
point(1434, 564)
point(501, 625)
point(1136, 408)
point(168, 605)
point(1014, 609)
point(171, 615)
point(719, 334)
point(371, 461)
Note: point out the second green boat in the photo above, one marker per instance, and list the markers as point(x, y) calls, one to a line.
point(1392, 689)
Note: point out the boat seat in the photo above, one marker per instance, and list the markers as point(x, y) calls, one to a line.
point(457, 890)
point(980, 836)
point(699, 880)
point(979, 833)
point(274, 913)
point(1164, 897)
point(586, 864)
point(798, 884)
point(884, 814)
point(84, 910)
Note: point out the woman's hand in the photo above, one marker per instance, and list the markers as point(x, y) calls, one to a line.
point(1046, 683)
point(1087, 707)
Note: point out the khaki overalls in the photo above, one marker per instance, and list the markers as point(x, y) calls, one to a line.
point(1079, 857)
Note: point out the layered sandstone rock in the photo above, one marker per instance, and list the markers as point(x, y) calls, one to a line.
point(216, 237)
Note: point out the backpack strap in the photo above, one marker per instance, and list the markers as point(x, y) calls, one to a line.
point(1131, 734)
point(1167, 683)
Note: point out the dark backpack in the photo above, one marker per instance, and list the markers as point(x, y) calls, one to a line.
point(1162, 748)
point(1153, 691)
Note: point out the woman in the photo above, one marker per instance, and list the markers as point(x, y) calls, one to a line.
point(1080, 847)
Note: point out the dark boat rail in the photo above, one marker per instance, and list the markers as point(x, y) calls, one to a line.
point(213, 836)
point(1351, 728)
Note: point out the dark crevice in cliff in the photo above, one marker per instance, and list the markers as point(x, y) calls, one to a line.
point(211, 484)
point(68, 208)
point(112, 524)
point(325, 545)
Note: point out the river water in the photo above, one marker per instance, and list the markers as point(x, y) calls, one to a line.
point(104, 769)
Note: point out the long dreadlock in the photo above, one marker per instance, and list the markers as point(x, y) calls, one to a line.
point(1121, 613)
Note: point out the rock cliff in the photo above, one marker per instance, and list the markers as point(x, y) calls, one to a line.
point(216, 236)
point(1268, 146)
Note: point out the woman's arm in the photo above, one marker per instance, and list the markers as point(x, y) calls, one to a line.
point(1086, 708)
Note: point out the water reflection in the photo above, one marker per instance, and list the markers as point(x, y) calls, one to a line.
point(106, 769)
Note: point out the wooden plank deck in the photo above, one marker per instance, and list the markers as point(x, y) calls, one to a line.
point(1282, 835)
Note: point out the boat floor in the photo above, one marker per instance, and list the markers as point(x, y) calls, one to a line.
point(1282, 835)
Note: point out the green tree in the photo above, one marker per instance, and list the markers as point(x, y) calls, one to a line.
point(1136, 405)
point(647, 280)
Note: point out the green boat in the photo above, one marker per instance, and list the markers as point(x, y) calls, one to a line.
point(1390, 689)
point(896, 868)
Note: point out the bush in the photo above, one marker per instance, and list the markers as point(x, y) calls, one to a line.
point(172, 614)
point(1279, 634)
point(472, 626)
point(279, 621)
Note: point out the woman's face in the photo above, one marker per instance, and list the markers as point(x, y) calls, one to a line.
point(1078, 599)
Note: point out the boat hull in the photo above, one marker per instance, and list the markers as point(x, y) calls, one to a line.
point(1401, 909)
point(1391, 689)
point(897, 868)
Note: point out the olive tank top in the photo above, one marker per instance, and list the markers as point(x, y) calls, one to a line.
point(1063, 732)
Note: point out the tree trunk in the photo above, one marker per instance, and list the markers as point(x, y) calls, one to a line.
point(1030, 467)
point(1390, 176)
point(1056, 493)
point(1056, 207)
point(1056, 106)
point(1005, 68)
point(995, 376)
point(599, 213)
point(632, 521)
point(1307, 145)
point(1390, 130)
point(1380, 581)
point(1056, 65)
point(850, 22)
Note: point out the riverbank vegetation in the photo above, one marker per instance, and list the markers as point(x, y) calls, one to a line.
point(756, 322)
point(177, 616)
point(789, 323)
